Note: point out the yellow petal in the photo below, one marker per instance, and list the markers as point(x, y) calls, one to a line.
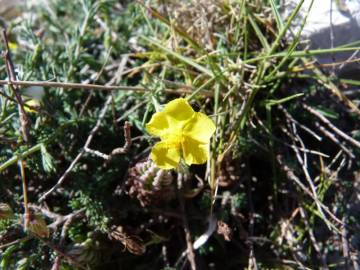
point(13, 46)
point(200, 128)
point(158, 124)
point(179, 110)
point(194, 152)
point(172, 119)
point(165, 157)
point(33, 103)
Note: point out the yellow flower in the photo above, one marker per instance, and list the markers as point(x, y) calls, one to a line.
point(33, 103)
point(183, 133)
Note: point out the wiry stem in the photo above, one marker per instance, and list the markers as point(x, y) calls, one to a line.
point(26, 201)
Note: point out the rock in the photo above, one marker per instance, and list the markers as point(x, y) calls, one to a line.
point(329, 24)
point(10, 9)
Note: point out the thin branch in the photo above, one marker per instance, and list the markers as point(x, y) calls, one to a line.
point(313, 239)
point(303, 162)
point(68, 220)
point(17, 241)
point(305, 128)
point(57, 218)
point(90, 86)
point(291, 175)
point(345, 245)
point(24, 120)
point(25, 194)
point(190, 250)
point(116, 151)
point(82, 151)
point(333, 138)
point(334, 128)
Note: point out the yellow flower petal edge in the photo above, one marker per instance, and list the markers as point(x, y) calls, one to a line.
point(179, 109)
point(200, 127)
point(174, 116)
point(165, 157)
point(184, 133)
point(158, 124)
point(195, 152)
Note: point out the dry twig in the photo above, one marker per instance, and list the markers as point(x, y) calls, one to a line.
point(334, 128)
point(313, 239)
point(190, 250)
point(84, 86)
point(291, 175)
point(333, 138)
point(10, 69)
point(82, 151)
point(116, 151)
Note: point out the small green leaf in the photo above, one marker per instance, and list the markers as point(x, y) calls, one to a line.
point(272, 102)
point(47, 160)
point(327, 113)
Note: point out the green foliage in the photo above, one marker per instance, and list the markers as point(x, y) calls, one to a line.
point(93, 211)
point(270, 179)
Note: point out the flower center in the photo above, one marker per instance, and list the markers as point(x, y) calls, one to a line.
point(173, 140)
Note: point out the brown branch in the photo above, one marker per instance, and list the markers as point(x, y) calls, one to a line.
point(304, 165)
point(190, 250)
point(333, 127)
point(65, 221)
point(25, 194)
point(291, 175)
point(90, 86)
point(82, 151)
point(313, 239)
point(57, 218)
point(68, 220)
point(305, 128)
point(60, 252)
point(333, 138)
point(116, 151)
point(15, 242)
point(24, 120)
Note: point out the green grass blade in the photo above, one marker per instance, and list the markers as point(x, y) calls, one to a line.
point(278, 19)
point(179, 56)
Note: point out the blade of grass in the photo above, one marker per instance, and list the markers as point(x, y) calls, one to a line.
point(272, 102)
point(178, 30)
point(292, 46)
point(259, 34)
point(179, 56)
point(283, 31)
point(278, 19)
point(335, 90)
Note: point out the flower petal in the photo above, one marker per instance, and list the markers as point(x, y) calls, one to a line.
point(172, 119)
point(165, 157)
point(194, 152)
point(200, 128)
point(179, 110)
point(158, 124)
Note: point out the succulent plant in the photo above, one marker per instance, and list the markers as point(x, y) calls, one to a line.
point(150, 184)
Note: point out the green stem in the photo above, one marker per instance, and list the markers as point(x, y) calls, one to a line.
point(18, 157)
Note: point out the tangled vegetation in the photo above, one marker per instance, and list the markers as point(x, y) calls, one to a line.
point(80, 80)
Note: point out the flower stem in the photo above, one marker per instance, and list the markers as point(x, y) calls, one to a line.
point(18, 157)
point(24, 188)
